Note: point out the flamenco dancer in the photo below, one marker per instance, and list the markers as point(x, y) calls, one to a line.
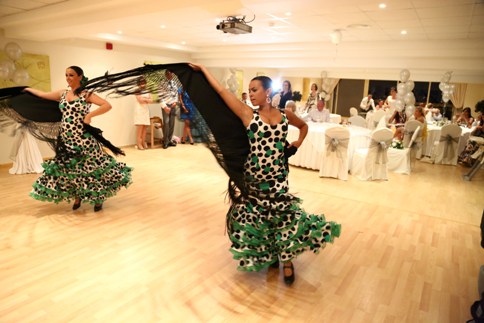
point(81, 170)
point(266, 224)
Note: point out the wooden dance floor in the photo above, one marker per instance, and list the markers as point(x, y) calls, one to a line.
point(409, 250)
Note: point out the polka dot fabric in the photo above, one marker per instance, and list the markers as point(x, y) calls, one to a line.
point(270, 224)
point(81, 168)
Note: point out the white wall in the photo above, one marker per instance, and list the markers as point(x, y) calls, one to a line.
point(95, 60)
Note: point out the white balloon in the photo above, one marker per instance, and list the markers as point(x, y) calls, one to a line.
point(404, 75)
point(327, 97)
point(445, 97)
point(409, 110)
point(446, 88)
point(447, 76)
point(451, 88)
point(13, 51)
point(21, 76)
point(7, 68)
point(400, 95)
point(399, 105)
point(409, 98)
point(410, 85)
point(442, 85)
point(401, 88)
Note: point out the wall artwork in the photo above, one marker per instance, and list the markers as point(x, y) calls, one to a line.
point(24, 69)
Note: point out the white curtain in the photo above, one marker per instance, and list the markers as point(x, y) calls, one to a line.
point(459, 95)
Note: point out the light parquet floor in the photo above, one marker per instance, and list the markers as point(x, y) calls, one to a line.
point(409, 250)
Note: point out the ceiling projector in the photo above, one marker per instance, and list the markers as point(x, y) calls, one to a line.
point(234, 25)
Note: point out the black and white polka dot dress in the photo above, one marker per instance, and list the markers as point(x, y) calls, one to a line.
point(271, 223)
point(80, 168)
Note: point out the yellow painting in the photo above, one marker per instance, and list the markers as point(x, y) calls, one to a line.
point(37, 67)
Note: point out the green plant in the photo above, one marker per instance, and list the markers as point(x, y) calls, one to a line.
point(296, 96)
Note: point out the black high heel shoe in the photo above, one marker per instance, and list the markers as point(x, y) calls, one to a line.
point(288, 279)
point(77, 204)
point(98, 207)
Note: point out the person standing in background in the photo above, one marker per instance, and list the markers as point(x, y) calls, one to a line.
point(286, 94)
point(169, 103)
point(142, 114)
point(186, 114)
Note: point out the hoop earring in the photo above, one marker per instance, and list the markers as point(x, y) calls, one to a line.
point(268, 99)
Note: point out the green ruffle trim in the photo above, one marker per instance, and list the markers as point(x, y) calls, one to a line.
point(257, 237)
point(46, 194)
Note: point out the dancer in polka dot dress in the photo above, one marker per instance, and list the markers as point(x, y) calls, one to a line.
point(81, 170)
point(267, 224)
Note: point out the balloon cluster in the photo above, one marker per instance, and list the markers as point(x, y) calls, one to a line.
point(405, 97)
point(446, 88)
point(8, 69)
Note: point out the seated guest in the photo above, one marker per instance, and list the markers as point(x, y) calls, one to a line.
point(478, 130)
point(436, 115)
point(465, 119)
point(398, 118)
point(291, 105)
point(419, 115)
point(320, 114)
point(380, 105)
point(312, 101)
point(367, 103)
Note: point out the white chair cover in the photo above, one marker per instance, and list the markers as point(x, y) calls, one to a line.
point(353, 111)
point(25, 154)
point(371, 163)
point(382, 124)
point(377, 116)
point(357, 121)
point(412, 137)
point(335, 157)
point(399, 160)
point(446, 147)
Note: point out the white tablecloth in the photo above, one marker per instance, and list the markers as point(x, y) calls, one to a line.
point(310, 153)
point(433, 134)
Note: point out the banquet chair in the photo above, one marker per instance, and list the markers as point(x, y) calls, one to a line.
point(334, 161)
point(414, 143)
point(155, 123)
point(353, 111)
point(377, 116)
point(400, 160)
point(371, 163)
point(445, 150)
point(357, 121)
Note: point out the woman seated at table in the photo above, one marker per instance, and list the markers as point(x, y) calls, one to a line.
point(320, 114)
point(465, 157)
point(398, 118)
point(465, 119)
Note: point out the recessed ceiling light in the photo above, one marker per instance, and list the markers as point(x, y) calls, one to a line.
point(288, 13)
point(119, 32)
point(162, 26)
point(403, 32)
point(183, 42)
point(382, 6)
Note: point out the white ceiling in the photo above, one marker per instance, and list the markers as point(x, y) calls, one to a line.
point(441, 34)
